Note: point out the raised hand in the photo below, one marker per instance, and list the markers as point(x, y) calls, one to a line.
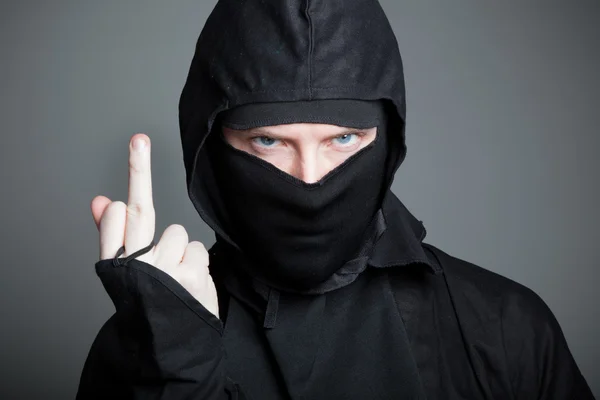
point(133, 225)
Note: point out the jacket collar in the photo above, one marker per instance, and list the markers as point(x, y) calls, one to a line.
point(400, 243)
point(395, 241)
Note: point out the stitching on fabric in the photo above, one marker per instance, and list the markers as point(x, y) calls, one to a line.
point(344, 88)
point(388, 283)
point(512, 389)
point(437, 264)
point(402, 262)
point(310, 48)
point(386, 272)
point(464, 339)
point(341, 122)
point(194, 176)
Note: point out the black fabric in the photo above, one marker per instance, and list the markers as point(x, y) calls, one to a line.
point(297, 234)
point(350, 113)
point(288, 51)
point(407, 321)
point(473, 334)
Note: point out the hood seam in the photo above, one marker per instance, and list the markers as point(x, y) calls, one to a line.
point(310, 48)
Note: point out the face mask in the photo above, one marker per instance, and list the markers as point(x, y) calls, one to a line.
point(297, 234)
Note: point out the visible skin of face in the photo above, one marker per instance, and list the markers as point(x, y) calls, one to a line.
point(306, 151)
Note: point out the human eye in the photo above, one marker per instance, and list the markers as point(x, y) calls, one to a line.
point(264, 142)
point(348, 140)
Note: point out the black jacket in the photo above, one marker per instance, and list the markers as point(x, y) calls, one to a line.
point(410, 322)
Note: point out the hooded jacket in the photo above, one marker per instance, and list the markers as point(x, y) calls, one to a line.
point(408, 321)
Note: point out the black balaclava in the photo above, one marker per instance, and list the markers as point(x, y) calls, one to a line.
point(295, 234)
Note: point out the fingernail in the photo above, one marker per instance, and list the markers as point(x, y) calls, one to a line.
point(139, 144)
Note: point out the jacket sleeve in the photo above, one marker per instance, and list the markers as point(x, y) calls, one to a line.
point(540, 362)
point(161, 343)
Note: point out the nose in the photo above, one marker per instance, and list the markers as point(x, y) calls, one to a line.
point(309, 167)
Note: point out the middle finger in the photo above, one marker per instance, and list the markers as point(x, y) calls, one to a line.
point(140, 208)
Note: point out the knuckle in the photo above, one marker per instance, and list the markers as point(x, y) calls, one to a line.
point(137, 210)
point(177, 229)
point(135, 166)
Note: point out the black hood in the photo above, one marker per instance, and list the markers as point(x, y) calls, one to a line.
point(253, 51)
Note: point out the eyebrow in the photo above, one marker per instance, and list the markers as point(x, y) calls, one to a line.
point(266, 132)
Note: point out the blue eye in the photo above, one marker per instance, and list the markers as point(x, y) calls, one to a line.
point(265, 141)
point(346, 139)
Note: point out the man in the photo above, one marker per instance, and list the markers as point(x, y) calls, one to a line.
point(321, 287)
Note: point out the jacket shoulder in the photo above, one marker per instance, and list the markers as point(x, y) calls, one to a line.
point(483, 283)
point(496, 304)
point(494, 309)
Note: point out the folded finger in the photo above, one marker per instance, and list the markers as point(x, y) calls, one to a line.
point(112, 229)
point(98, 206)
point(170, 248)
point(196, 256)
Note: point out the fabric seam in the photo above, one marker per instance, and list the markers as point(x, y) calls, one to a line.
point(345, 88)
point(310, 48)
point(388, 283)
point(512, 389)
point(464, 339)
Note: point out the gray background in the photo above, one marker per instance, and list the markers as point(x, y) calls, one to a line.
point(503, 104)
